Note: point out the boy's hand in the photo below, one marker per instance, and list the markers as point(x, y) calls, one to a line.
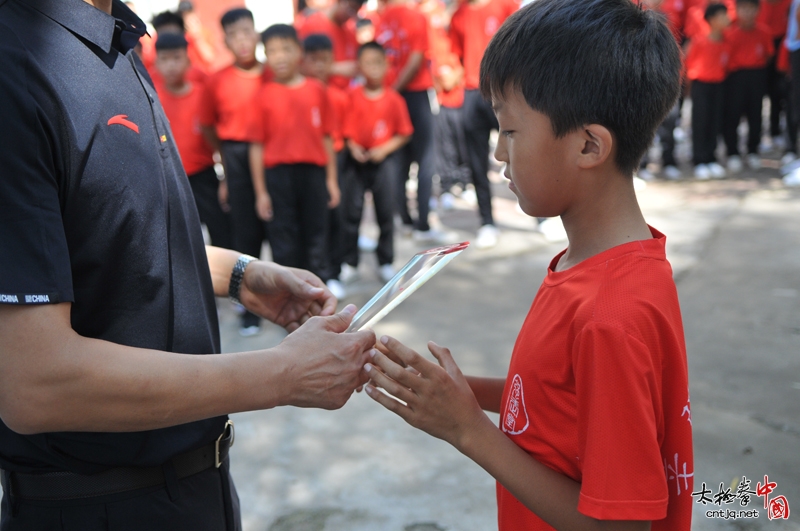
point(222, 196)
point(334, 193)
point(358, 153)
point(438, 397)
point(264, 207)
point(377, 154)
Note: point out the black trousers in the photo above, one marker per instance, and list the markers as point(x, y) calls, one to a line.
point(336, 221)
point(794, 96)
point(744, 92)
point(204, 502)
point(420, 150)
point(479, 120)
point(298, 230)
point(248, 230)
point(666, 132)
point(776, 91)
point(205, 187)
point(707, 101)
point(380, 179)
point(452, 154)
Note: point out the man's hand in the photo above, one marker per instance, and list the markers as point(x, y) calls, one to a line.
point(264, 207)
point(327, 365)
point(286, 296)
point(438, 397)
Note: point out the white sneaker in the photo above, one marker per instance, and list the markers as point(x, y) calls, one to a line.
point(645, 174)
point(470, 196)
point(447, 201)
point(336, 288)
point(487, 237)
point(428, 236)
point(778, 143)
point(702, 172)
point(788, 158)
point(386, 272)
point(716, 170)
point(348, 274)
point(793, 179)
point(735, 164)
point(754, 161)
point(553, 230)
point(249, 331)
point(672, 172)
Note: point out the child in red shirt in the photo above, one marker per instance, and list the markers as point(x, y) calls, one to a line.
point(318, 63)
point(376, 127)
point(774, 16)
point(473, 24)
point(707, 66)
point(595, 422)
point(293, 166)
point(225, 118)
point(182, 100)
point(751, 49)
point(403, 32)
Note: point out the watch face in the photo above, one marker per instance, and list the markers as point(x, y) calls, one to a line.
point(414, 274)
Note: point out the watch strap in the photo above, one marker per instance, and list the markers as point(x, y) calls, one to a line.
point(237, 276)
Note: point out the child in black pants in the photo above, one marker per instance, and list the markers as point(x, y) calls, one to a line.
point(376, 127)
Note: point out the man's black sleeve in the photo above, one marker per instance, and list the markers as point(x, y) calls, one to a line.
point(34, 256)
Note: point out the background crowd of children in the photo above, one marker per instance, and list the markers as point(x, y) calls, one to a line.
point(350, 98)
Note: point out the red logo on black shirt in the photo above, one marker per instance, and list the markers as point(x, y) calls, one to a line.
point(121, 119)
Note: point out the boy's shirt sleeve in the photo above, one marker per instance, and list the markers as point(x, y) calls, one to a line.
point(328, 115)
point(620, 426)
point(208, 106)
point(35, 265)
point(456, 35)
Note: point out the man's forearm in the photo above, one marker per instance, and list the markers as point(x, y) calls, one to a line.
point(73, 383)
point(221, 262)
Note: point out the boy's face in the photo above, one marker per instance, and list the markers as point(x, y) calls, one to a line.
point(318, 64)
point(241, 39)
point(283, 56)
point(345, 10)
point(372, 65)
point(537, 163)
point(719, 22)
point(173, 65)
point(746, 14)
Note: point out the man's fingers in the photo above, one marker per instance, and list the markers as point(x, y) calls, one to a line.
point(338, 323)
point(407, 355)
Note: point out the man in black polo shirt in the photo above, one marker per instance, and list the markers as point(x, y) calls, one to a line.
point(108, 420)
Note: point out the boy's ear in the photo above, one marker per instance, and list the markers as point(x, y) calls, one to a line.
point(596, 143)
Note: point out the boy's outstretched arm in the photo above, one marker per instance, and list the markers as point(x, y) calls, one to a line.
point(488, 392)
point(440, 402)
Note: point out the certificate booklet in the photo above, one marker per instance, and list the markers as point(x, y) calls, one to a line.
point(414, 274)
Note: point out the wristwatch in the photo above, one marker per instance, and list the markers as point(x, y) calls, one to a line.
point(237, 275)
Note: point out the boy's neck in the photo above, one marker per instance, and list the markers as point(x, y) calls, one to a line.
point(373, 90)
point(179, 88)
point(292, 80)
point(715, 35)
point(253, 66)
point(607, 215)
point(747, 26)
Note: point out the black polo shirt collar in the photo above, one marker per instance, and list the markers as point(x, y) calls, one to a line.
point(121, 30)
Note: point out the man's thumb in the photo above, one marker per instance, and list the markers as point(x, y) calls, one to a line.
point(340, 321)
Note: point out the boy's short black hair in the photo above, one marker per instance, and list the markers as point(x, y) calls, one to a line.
point(579, 62)
point(168, 18)
point(235, 15)
point(317, 42)
point(756, 3)
point(171, 41)
point(280, 31)
point(372, 45)
point(713, 10)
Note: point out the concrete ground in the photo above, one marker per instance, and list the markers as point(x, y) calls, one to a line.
point(735, 248)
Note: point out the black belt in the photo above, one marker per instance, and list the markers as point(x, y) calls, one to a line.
point(53, 486)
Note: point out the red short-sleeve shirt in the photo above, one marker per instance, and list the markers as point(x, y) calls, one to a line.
point(183, 112)
point(749, 48)
point(471, 29)
point(230, 97)
point(707, 60)
point(372, 122)
point(403, 30)
point(597, 390)
point(775, 17)
point(292, 122)
point(345, 45)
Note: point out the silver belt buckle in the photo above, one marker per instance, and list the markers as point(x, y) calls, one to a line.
point(229, 424)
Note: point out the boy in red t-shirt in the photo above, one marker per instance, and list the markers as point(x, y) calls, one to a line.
point(376, 127)
point(403, 32)
point(706, 67)
point(595, 422)
point(473, 25)
point(751, 49)
point(182, 100)
point(318, 63)
point(225, 118)
point(292, 162)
